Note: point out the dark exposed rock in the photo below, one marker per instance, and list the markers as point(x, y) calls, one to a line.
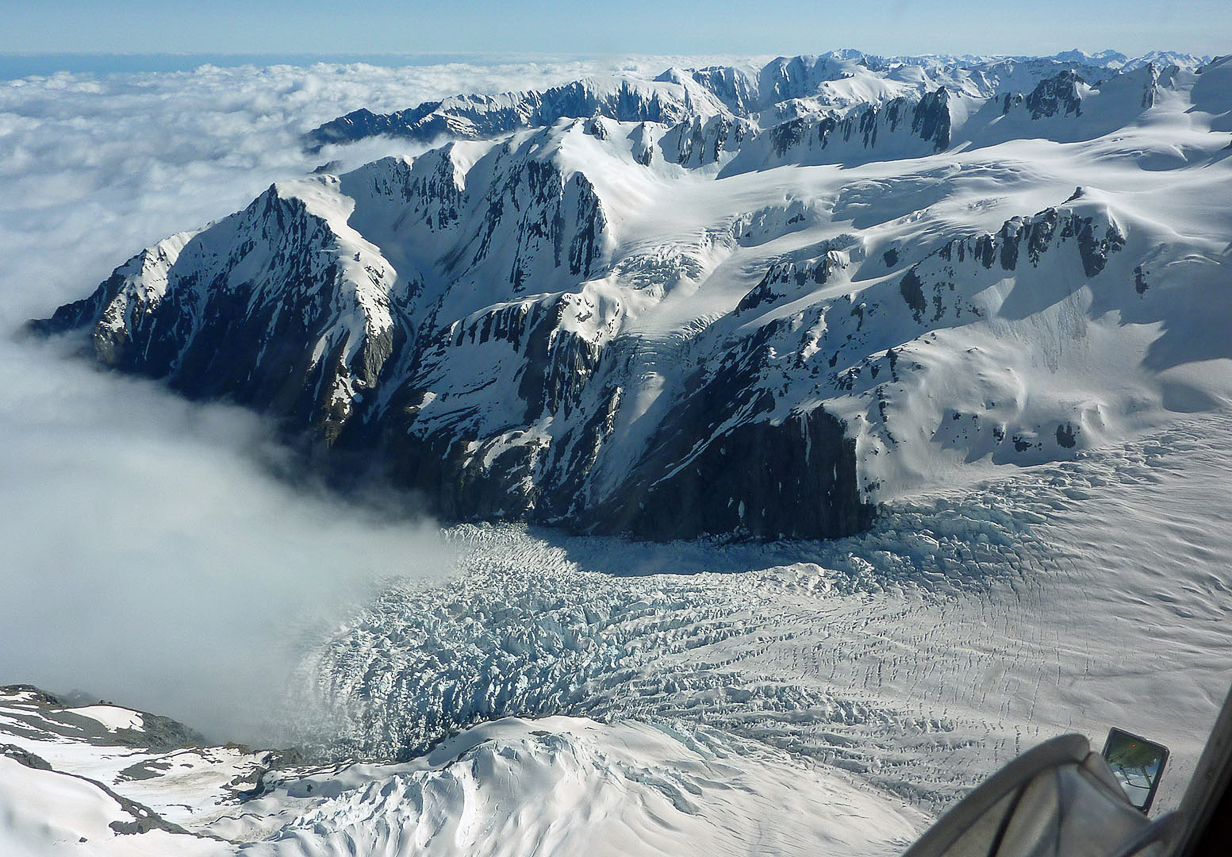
point(24, 757)
point(1066, 435)
point(788, 135)
point(596, 128)
point(50, 719)
point(51, 716)
point(160, 733)
point(485, 117)
point(771, 289)
point(1150, 87)
point(752, 475)
point(903, 127)
point(762, 293)
point(1140, 283)
point(643, 147)
point(913, 293)
point(82, 313)
point(557, 365)
point(732, 86)
point(787, 78)
point(758, 480)
point(481, 369)
point(788, 89)
point(143, 818)
point(1056, 96)
point(697, 142)
point(803, 484)
point(37, 695)
point(182, 314)
point(364, 123)
point(930, 119)
point(1095, 249)
point(204, 339)
point(1037, 235)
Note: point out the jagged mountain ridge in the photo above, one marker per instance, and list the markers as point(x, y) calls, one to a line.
point(572, 324)
point(825, 87)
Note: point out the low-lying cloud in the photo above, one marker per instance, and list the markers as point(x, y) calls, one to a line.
point(146, 555)
point(151, 559)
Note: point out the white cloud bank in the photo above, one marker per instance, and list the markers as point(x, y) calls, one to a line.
point(148, 556)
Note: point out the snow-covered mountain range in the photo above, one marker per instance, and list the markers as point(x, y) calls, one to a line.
point(720, 301)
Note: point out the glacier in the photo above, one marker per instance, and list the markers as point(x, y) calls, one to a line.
point(691, 698)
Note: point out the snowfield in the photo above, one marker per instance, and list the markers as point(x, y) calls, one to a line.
point(1020, 318)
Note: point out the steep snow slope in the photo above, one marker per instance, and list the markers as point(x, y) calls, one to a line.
point(555, 785)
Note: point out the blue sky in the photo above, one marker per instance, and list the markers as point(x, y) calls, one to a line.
point(632, 26)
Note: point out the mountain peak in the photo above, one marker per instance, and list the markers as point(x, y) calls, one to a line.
point(589, 301)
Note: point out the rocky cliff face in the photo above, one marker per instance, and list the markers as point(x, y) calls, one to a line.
point(1055, 96)
point(651, 307)
point(463, 378)
point(282, 287)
